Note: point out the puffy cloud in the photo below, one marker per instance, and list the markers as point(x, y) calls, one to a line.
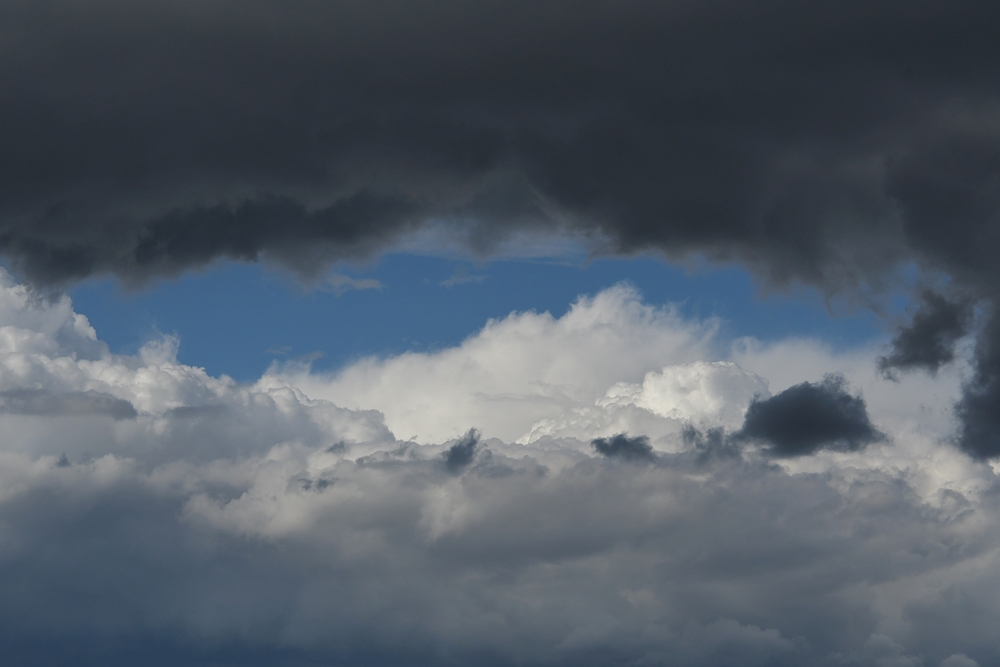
point(709, 394)
point(229, 524)
point(515, 371)
point(52, 365)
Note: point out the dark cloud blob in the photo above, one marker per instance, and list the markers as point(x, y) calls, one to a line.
point(808, 417)
point(928, 341)
point(624, 447)
point(460, 455)
point(979, 408)
point(813, 142)
point(40, 402)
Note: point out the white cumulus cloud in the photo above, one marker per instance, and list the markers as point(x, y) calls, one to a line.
point(515, 371)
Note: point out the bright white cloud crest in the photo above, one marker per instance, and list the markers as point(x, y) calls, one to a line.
point(154, 508)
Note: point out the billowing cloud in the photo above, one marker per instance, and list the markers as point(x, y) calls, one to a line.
point(708, 394)
point(231, 524)
point(520, 370)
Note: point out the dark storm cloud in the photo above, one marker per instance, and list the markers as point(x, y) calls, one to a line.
point(625, 447)
point(979, 408)
point(808, 417)
point(57, 404)
point(145, 139)
point(820, 142)
point(460, 455)
point(928, 341)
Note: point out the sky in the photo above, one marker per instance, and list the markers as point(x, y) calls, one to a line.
point(504, 333)
point(237, 319)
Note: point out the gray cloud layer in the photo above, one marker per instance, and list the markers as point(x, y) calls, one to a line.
point(398, 561)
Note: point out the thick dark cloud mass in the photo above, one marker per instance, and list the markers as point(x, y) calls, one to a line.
point(928, 342)
point(625, 447)
point(819, 142)
point(979, 409)
point(808, 417)
point(460, 455)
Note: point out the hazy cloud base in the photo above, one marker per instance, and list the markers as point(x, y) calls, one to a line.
point(227, 524)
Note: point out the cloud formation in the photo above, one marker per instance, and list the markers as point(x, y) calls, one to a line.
point(621, 446)
point(526, 368)
point(809, 416)
point(460, 455)
point(928, 341)
point(833, 146)
point(229, 524)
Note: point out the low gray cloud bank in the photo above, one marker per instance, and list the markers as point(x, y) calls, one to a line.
point(561, 559)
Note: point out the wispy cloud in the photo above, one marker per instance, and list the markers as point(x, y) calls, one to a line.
point(339, 284)
point(462, 277)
